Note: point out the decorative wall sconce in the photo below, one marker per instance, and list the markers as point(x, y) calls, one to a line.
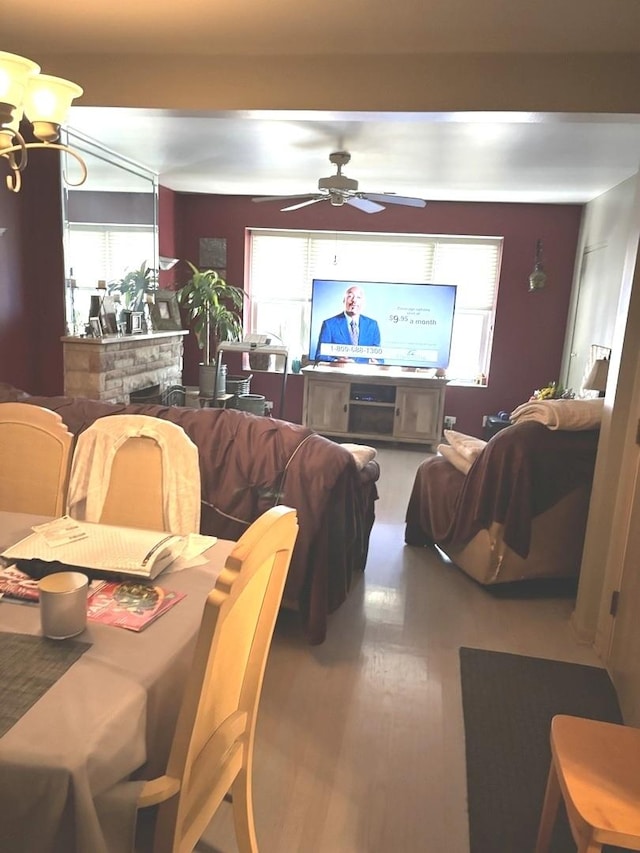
point(44, 101)
point(538, 277)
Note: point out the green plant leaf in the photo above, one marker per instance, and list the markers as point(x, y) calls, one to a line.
point(213, 306)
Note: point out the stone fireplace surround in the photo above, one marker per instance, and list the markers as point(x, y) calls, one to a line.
point(110, 368)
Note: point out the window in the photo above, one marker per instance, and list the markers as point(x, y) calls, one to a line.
point(104, 252)
point(283, 264)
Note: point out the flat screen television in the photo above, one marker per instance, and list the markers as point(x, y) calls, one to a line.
point(406, 325)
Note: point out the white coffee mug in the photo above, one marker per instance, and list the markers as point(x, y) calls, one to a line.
point(63, 604)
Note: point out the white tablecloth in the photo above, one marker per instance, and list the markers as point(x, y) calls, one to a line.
point(113, 711)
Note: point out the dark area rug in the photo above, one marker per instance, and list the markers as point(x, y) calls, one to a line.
point(508, 702)
point(534, 588)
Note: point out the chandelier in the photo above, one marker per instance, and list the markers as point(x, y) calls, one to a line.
point(44, 101)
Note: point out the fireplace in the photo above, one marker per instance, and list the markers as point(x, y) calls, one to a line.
point(173, 395)
point(112, 368)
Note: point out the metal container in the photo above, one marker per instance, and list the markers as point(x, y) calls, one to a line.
point(254, 403)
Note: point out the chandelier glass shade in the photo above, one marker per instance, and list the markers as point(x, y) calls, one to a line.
point(44, 101)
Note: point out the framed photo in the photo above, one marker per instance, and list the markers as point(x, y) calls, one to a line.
point(134, 323)
point(213, 253)
point(96, 327)
point(108, 315)
point(165, 313)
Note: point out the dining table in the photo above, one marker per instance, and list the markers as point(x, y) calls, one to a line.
point(84, 720)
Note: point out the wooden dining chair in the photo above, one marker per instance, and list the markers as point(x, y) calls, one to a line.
point(136, 471)
point(212, 751)
point(595, 769)
point(35, 455)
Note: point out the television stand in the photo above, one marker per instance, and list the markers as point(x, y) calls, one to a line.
point(373, 403)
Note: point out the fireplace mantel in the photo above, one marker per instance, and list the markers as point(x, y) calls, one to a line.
point(110, 368)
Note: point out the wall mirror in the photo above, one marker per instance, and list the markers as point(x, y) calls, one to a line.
point(110, 225)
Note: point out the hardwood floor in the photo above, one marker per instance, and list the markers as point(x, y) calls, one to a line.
point(360, 741)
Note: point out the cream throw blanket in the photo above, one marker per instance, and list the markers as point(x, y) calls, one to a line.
point(467, 446)
point(462, 450)
point(361, 453)
point(94, 454)
point(452, 456)
point(561, 414)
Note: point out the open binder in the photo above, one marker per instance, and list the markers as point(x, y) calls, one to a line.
point(97, 549)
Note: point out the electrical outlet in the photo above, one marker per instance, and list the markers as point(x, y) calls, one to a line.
point(449, 422)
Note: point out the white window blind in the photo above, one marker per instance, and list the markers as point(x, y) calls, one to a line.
point(284, 263)
point(104, 252)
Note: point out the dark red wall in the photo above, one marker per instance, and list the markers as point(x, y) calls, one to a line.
point(529, 332)
point(32, 278)
point(166, 235)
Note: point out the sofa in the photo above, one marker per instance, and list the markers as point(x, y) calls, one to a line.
point(520, 511)
point(249, 463)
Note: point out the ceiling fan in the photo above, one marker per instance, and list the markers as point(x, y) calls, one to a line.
point(338, 189)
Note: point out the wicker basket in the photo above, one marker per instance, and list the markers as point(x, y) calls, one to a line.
point(238, 386)
point(260, 360)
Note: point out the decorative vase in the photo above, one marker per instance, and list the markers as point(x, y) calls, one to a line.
point(207, 380)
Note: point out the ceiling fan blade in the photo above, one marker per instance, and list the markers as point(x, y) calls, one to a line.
point(304, 203)
point(392, 198)
point(281, 197)
point(364, 204)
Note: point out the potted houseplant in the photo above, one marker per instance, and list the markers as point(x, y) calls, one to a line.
point(134, 286)
point(215, 311)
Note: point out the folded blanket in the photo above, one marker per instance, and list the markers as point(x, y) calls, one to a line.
point(467, 445)
point(561, 414)
point(361, 453)
point(456, 459)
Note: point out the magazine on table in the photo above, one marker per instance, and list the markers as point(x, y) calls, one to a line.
point(17, 585)
point(129, 604)
point(125, 604)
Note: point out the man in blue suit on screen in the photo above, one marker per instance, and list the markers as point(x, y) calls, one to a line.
point(350, 328)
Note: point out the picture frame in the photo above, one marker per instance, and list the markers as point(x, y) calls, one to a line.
point(165, 312)
point(96, 327)
point(108, 315)
point(134, 326)
point(213, 253)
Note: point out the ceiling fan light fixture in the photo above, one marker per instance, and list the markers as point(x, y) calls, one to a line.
point(338, 182)
point(339, 190)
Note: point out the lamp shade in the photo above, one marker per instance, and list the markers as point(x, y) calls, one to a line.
point(538, 278)
point(15, 72)
point(47, 100)
point(167, 263)
point(597, 378)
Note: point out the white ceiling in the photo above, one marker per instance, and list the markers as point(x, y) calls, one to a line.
point(498, 157)
point(458, 157)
